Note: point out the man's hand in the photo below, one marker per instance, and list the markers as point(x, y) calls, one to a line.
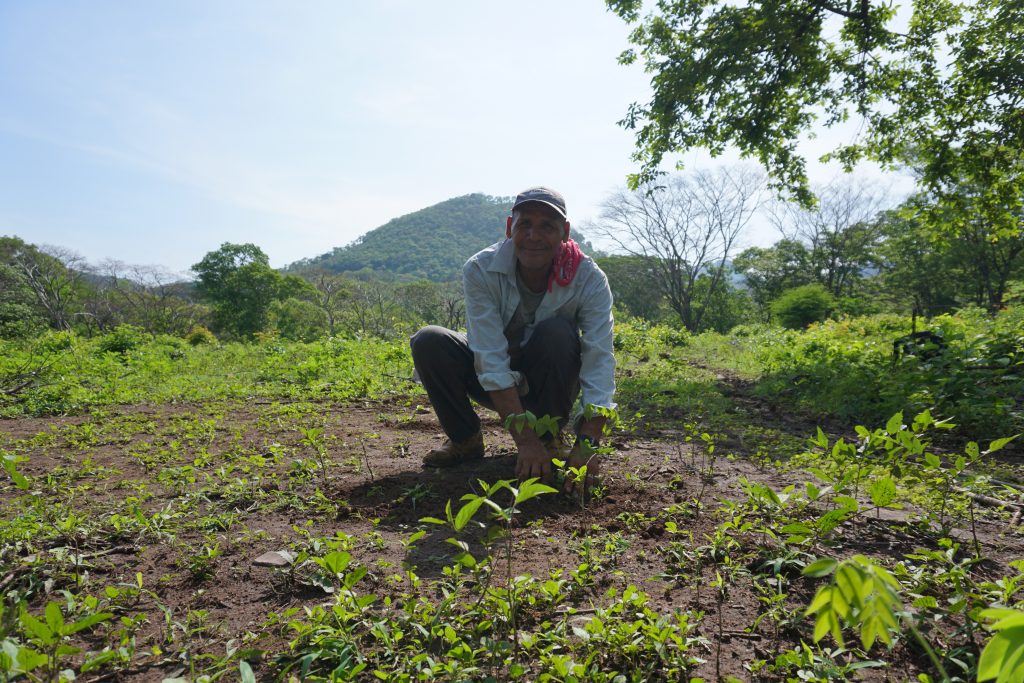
point(534, 459)
point(582, 455)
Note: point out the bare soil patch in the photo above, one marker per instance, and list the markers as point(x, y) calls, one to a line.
point(181, 499)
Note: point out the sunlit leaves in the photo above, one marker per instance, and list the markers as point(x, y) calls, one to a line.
point(939, 94)
point(1003, 656)
point(862, 596)
point(10, 463)
point(882, 491)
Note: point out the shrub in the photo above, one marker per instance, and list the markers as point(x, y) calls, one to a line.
point(799, 307)
point(55, 342)
point(200, 335)
point(122, 339)
point(846, 368)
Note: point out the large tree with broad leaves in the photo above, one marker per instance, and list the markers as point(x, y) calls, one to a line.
point(938, 87)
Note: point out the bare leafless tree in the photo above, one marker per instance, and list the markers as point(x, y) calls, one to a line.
point(371, 309)
point(841, 232)
point(149, 296)
point(332, 291)
point(453, 305)
point(54, 275)
point(687, 227)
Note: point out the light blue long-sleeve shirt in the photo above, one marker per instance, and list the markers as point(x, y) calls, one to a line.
point(489, 281)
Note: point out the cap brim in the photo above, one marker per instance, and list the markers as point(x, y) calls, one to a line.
point(539, 201)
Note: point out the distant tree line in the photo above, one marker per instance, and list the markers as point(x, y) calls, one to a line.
point(235, 294)
point(849, 253)
point(677, 263)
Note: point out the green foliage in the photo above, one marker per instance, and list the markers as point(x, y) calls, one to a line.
point(167, 369)
point(297, 320)
point(928, 266)
point(20, 316)
point(46, 648)
point(641, 338)
point(769, 271)
point(635, 285)
point(1003, 656)
point(200, 335)
point(799, 307)
point(847, 368)
point(861, 595)
point(938, 93)
point(238, 280)
point(40, 283)
point(122, 339)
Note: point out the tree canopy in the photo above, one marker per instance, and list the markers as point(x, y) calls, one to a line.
point(238, 280)
point(940, 91)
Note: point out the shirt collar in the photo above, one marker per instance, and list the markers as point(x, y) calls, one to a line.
point(504, 260)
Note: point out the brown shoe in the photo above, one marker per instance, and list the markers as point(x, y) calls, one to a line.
point(453, 453)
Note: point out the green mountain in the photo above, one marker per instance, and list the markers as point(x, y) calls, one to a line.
point(432, 243)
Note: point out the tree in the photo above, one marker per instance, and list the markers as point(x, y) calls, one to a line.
point(238, 280)
point(453, 305)
point(635, 286)
point(687, 227)
point(372, 309)
point(799, 307)
point(329, 295)
point(916, 271)
point(297, 319)
point(768, 271)
point(150, 297)
point(727, 306)
point(53, 274)
point(19, 316)
point(944, 92)
point(840, 233)
point(936, 270)
point(421, 302)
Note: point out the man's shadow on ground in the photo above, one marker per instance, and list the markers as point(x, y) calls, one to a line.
point(411, 495)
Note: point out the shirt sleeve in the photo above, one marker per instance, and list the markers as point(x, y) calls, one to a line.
point(485, 330)
point(597, 373)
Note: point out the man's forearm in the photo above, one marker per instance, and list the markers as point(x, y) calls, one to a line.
point(506, 402)
point(533, 459)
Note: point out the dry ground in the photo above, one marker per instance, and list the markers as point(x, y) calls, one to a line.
point(169, 458)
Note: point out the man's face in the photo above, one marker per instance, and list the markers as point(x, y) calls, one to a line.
point(536, 233)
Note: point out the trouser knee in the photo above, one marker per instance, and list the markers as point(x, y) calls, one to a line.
point(428, 342)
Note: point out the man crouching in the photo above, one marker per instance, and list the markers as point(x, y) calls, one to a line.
point(539, 322)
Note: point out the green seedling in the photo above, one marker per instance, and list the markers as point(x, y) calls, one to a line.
point(47, 645)
point(504, 516)
point(864, 597)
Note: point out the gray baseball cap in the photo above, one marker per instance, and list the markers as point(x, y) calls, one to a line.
point(545, 195)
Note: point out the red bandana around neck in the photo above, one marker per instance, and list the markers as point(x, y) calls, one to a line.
point(563, 270)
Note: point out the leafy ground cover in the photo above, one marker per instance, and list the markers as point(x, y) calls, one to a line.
point(288, 531)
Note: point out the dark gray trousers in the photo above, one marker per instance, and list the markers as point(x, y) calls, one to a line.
point(550, 360)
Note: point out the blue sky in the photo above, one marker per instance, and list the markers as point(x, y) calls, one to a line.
point(153, 132)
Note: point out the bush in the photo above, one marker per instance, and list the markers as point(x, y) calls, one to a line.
point(749, 330)
point(846, 368)
point(642, 338)
point(799, 307)
point(200, 336)
point(122, 339)
point(55, 342)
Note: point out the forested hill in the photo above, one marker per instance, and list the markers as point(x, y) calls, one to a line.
point(432, 243)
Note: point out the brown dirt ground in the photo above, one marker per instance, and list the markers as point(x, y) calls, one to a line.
point(375, 490)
